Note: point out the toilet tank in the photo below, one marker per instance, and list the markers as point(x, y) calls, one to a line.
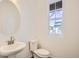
point(33, 45)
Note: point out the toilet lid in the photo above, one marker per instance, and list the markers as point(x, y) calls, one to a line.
point(42, 52)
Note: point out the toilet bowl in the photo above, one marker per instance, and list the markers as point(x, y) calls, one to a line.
point(38, 52)
point(41, 53)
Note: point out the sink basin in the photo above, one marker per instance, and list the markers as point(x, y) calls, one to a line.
point(12, 49)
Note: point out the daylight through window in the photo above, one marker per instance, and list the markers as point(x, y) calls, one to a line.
point(56, 18)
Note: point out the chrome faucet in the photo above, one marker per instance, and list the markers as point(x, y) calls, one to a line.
point(11, 41)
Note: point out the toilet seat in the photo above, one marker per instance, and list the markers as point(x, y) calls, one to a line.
point(42, 52)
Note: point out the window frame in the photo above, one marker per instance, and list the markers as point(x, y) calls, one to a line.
point(61, 26)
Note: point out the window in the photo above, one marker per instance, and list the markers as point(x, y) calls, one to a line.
point(56, 18)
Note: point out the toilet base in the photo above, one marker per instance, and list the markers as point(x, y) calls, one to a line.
point(36, 56)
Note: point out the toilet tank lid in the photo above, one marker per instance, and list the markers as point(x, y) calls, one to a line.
point(33, 40)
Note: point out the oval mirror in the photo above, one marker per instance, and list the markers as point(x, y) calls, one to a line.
point(9, 17)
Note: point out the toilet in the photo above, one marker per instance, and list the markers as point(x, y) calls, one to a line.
point(38, 52)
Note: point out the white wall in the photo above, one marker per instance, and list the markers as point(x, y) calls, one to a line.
point(68, 45)
point(34, 25)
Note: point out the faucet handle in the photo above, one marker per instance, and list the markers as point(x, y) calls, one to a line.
point(11, 41)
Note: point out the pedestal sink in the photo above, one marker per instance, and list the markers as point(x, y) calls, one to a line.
point(13, 49)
